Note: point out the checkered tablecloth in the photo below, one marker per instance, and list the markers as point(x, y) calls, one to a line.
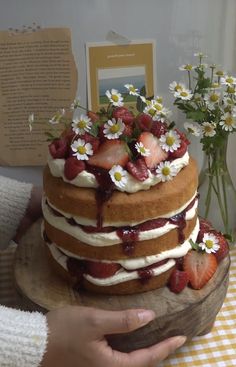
point(217, 348)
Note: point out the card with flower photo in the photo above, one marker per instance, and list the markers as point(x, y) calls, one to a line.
point(115, 67)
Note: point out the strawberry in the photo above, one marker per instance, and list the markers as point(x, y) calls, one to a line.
point(178, 281)
point(128, 131)
point(200, 267)
point(179, 263)
point(158, 128)
point(73, 167)
point(59, 148)
point(205, 226)
point(144, 122)
point(99, 269)
point(156, 153)
point(183, 137)
point(138, 169)
point(124, 114)
point(93, 116)
point(109, 153)
point(224, 246)
point(179, 152)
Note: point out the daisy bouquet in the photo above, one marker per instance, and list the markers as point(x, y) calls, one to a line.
point(209, 102)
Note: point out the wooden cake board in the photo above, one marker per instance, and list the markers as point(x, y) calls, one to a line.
point(189, 313)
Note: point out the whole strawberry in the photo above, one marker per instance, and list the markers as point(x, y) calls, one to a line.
point(124, 114)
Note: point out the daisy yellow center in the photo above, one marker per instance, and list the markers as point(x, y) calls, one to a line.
point(166, 171)
point(118, 176)
point(208, 128)
point(132, 89)
point(159, 100)
point(114, 129)
point(190, 130)
point(114, 97)
point(82, 124)
point(158, 107)
point(170, 140)
point(152, 111)
point(188, 67)
point(230, 90)
point(81, 149)
point(215, 85)
point(219, 73)
point(229, 121)
point(178, 87)
point(214, 97)
point(229, 80)
point(184, 94)
point(142, 150)
point(209, 244)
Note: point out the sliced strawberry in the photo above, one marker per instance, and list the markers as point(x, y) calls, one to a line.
point(144, 122)
point(109, 153)
point(156, 153)
point(178, 281)
point(59, 148)
point(158, 128)
point(183, 137)
point(99, 269)
point(124, 114)
point(200, 267)
point(180, 151)
point(93, 116)
point(73, 167)
point(224, 246)
point(138, 169)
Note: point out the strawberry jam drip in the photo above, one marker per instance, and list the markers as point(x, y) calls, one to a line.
point(145, 274)
point(180, 221)
point(129, 236)
point(103, 192)
point(75, 268)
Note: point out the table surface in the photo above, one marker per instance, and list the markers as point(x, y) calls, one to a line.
point(217, 348)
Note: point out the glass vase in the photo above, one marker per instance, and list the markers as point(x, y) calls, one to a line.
point(217, 201)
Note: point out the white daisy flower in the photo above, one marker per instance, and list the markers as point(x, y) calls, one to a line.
point(57, 117)
point(166, 171)
point(31, 121)
point(208, 129)
point(228, 122)
point(75, 104)
point(132, 90)
point(212, 99)
point(184, 94)
point(118, 176)
point(231, 90)
point(81, 149)
point(219, 73)
point(228, 80)
point(199, 54)
point(176, 87)
point(192, 129)
point(81, 125)
point(210, 243)
point(151, 111)
point(170, 141)
point(158, 99)
point(115, 97)
point(113, 129)
point(142, 150)
point(186, 67)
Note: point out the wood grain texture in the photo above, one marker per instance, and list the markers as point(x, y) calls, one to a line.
point(190, 313)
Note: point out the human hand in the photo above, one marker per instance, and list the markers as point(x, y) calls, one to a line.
point(77, 338)
point(33, 212)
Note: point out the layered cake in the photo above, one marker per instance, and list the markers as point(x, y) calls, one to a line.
point(120, 204)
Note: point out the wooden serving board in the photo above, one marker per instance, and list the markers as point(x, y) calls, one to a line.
point(189, 313)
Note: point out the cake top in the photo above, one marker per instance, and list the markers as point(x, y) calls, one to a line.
point(132, 150)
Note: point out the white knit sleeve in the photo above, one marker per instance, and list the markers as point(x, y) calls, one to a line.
point(14, 198)
point(23, 338)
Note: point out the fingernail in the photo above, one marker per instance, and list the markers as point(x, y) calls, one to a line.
point(180, 340)
point(146, 316)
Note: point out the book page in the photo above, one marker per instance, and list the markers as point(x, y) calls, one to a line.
point(37, 75)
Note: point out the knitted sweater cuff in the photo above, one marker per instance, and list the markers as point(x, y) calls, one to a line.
point(14, 196)
point(23, 338)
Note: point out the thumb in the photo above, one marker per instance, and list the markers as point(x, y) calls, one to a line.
point(114, 322)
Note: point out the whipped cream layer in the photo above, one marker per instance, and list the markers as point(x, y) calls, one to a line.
point(61, 256)
point(103, 239)
point(86, 179)
point(93, 222)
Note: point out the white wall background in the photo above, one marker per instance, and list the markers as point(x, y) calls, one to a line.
point(180, 28)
